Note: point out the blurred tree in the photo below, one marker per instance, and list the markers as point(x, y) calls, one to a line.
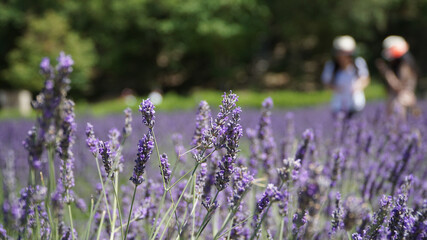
point(148, 44)
point(47, 36)
point(179, 45)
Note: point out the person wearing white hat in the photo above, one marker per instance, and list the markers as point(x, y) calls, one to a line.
point(400, 73)
point(347, 76)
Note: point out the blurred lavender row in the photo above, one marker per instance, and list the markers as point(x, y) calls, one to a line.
point(14, 131)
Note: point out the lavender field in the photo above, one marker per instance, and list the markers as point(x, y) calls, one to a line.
point(213, 173)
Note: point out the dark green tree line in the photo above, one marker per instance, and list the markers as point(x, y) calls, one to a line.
point(179, 45)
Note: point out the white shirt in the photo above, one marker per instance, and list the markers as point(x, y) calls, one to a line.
point(345, 98)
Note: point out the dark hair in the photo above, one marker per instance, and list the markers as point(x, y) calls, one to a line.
point(337, 67)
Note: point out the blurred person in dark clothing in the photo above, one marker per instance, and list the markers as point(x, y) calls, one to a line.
point(400, 73)
point(347, 76)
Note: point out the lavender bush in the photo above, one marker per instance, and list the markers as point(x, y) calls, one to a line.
point(234, 174)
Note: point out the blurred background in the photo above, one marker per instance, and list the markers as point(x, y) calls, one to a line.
point(134, 47)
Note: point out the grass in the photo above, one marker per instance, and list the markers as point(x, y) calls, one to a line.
point(247, 98)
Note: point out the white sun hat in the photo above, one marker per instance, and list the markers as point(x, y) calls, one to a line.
point(344, 43)
point(394, 47)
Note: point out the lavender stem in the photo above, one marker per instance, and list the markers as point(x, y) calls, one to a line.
point(158, 212)
point(230, 216)
point(130, 212)
point(179, 199)
point(52, 178)
point(103, 188)
point(264, 215)
point(90, 218)
point(113, 223)
point(282, 225)
point(207, 217)
point(98, 235)
point(115, 190)
point(71, 218)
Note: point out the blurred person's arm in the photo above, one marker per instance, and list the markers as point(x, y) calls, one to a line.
point(363, 80)
point(327, 75)
point(390, 77)
point(408, 77)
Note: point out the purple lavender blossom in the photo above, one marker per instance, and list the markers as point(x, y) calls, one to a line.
point(114, 138)
point(290, 170)
point(147, 110)
point(210, 206)
point(68, 128)
point(239, 231)
point(201, 180)
point(164, 168)
point(35, 148)
point(145, 148)
point(226, 166)
point(68, 235)
point(65, 62)
point(105, 152)
point(338, 159)
point(49, 102)
point(226, 169)
point(81, 204)
point(145, 209)
point(263, 146)
point(400, 221)
point(215, 135)
point(307, 138)
point(356, 236)
point(202, 123)
point(265, 135)
point(3, 233)
point(255, 149)
point(283, 203)
point(337, 216)
point(380, 217)
point(115, 155)
point(45, 67)
point(270, 195)
point(10, 206)
point(30, 200)
point(127, 129)
point(298, 222)
point(179, 148)
point(91, 141)
point(242, 183)
point(287, 141)
point(419, 228)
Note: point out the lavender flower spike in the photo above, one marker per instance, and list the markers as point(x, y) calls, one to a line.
point(92, 142)
point(127, 129)
point(337, 216)
point(68, 128)
point(242, 182)
point(379, 218)
point(145, 148)
point(147, 110)
point(3, 233)
point(45, 67)
point(226, 166)
point(164, 167)
point(64, 63)
point(105, 152)
point(308, 137)
point(202, 123)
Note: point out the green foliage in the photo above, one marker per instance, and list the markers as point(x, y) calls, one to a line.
point(47, 36)
point(178, 45)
